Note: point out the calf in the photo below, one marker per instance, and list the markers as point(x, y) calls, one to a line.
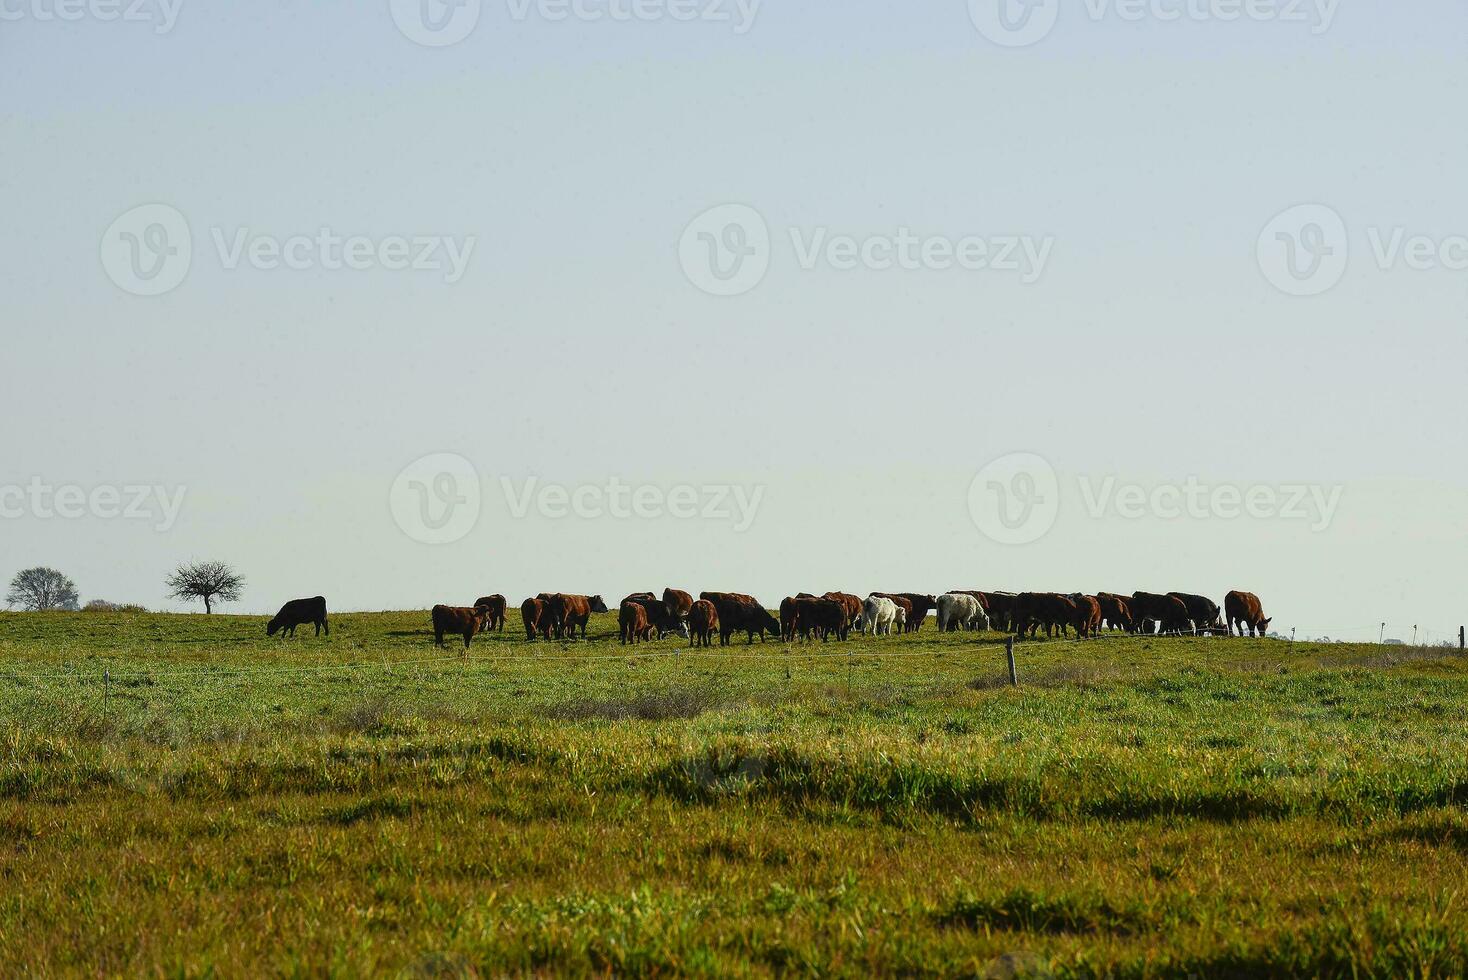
point(496, 605)
point(1244, 609)
point(703, 623)
point(299, 612)
point(457, 620)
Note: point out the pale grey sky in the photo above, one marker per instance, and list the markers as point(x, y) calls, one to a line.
point(1145, 156)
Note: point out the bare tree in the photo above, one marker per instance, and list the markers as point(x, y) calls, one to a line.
point(207, 580)
point(40, 589)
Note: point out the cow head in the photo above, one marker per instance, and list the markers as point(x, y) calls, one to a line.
point(598, 605)
point(1264, 624)
point(273, 626)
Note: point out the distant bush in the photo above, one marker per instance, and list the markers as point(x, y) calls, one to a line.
point(103, 606)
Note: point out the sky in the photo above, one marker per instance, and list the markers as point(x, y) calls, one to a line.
point(408, 304)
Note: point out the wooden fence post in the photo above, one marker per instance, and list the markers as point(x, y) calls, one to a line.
point(1460, 639)
point(1013, 673)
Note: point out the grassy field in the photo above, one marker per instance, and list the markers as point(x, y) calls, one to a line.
point(233, 805)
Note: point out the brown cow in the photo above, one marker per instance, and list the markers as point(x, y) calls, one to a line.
point(788, 618)
point(1116, 610)
point(632, 623)
point(457, 620)
point(823, 616)
point(851, 603)
point(1000, 607)
point(1204, 613)
point(1245, 609)
point(570, 612)
point(678, 603)
point(918, 607)
point(657, 614)
point(496, 605)
point(1048, 609)
point(1088, 614)
point(532, 614)
point(703, 623)
point(739, 613)
point(1149, 610)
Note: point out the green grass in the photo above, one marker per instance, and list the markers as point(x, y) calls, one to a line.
point(240, 806)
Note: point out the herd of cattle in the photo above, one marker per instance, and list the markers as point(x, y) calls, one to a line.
point(644, 616)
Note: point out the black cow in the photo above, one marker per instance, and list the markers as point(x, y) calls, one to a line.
point(299, 612)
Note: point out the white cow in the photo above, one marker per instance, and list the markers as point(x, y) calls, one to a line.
point(878, 615)
point(959, 611)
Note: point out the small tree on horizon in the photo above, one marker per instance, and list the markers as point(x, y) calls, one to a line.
point(210, 581)
point(42, 589)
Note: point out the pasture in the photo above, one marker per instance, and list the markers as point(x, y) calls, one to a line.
point(366, 803)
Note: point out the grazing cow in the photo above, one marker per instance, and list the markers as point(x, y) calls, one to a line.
point(658, 617)
point(532, 613)
point(571, 612)
point(1150, 610)
point(918, 607)
point(1048, 609)
point(1000, 607)
point(1204, 613)
point(904, 610)
point(703, 623)
point(678, 603)
point(1245, 609)
point(878, 615)
point(820, 616)
point(1088, 614)
point(1116, 611)
point(852, 605)
point(739, 613)
point(496, 605)
point(632, 623)
point(958, 611)
point(457, 620)
point(299, 612)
